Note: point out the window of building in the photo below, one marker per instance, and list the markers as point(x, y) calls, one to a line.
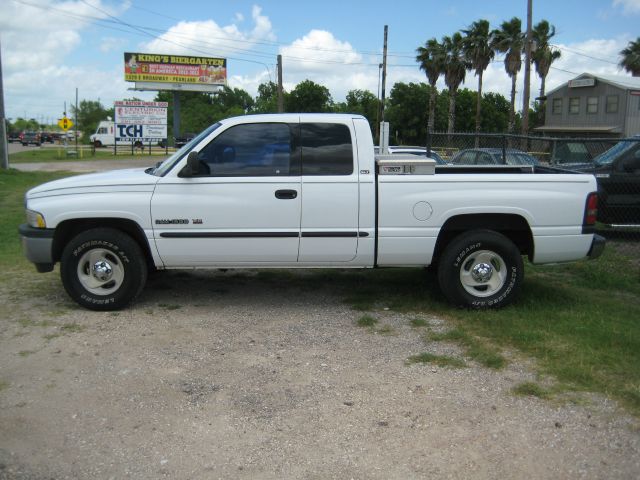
point(250, 150)
point(612, 104)
point(326, 149)
point(574, 105)
point(556, 107)
point(592, 105)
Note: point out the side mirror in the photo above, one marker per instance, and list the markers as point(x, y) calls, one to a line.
point(192, 167)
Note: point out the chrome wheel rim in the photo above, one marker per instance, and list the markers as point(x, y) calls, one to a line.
point(483, 274)
point(100, 271)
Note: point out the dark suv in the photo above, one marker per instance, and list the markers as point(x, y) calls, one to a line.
point(30, 137)
point(618, 174)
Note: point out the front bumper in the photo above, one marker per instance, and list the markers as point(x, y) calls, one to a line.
point(597, 246)
point(37, 245)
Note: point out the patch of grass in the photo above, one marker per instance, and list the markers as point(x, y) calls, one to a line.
point(439, 360)
point(58, 153)
point(386, 330)
point(26, 353)
point(72, 328)
point(530, 389)
point(13, 185)
point(28, 322)
point(51, 336)
point(474, 348)
point(3, 385)
point(366, 321)
point(417, 322)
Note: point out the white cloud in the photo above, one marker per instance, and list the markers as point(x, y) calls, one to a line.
point(628, 6)
point(36, 41)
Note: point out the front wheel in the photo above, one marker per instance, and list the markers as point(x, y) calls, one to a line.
point(481, 269)
point(103, 269)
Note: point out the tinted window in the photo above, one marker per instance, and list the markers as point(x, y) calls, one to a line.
point(466, 158)
point(250, 150)
point(519, 159)
point(326, 149)
point(485, 159)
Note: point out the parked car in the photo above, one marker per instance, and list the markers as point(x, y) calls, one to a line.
point(182, 140)
point(13, 137)
point(618, 174)
point(492, 156)
point(421, 151)
point(31, 138)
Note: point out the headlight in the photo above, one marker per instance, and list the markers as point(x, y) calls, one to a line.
point(35, 219)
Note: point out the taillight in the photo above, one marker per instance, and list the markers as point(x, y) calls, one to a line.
point(591, 209)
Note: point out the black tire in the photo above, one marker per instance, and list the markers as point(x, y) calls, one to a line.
point(97, 143)
point(113, 284)
point(481, 269)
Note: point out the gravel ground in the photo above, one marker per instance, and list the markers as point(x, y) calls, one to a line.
point(242, 375)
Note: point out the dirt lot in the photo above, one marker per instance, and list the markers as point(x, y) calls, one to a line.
point(267, 375)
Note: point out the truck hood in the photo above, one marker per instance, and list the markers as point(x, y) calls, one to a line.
point(129, 180)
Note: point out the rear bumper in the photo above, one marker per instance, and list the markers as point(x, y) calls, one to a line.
point(37, 246)
point(597, 246)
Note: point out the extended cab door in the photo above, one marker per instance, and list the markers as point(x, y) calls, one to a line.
point(244, 205)
point(329, 230)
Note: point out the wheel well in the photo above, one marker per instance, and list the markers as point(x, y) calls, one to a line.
point(68, 229)
point(514, 227)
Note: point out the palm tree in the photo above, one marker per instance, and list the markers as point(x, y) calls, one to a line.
point(509, 39)
point(455, 71)
point(631, 58)
point(544, 55)
point(431, 59)
point(478, 51)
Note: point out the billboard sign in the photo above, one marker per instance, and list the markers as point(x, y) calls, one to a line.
point(138, 121)
point(175, 69)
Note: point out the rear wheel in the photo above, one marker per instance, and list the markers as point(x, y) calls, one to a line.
point(97, 143)
point(103, 269)
point(481, 269)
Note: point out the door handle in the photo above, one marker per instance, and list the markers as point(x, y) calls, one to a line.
point(286, 194)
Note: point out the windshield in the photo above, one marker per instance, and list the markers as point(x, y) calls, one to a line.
point(165, 166)
point(520, 159)
point(614, 152)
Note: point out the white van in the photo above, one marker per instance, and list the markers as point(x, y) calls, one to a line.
point(105, 134)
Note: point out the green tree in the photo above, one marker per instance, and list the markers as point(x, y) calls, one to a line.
point(309, 96)
point(509, 39)
point(406, 113)
point(21, 125)
point(364, 103)
point(455, 71)
point(199, 110)
point(431, 58)
point(89, 114)
point(478, 51)
point(630, 60)
point(267, 99)
point(543, 56)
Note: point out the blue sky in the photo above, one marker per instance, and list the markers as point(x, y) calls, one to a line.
point(51, 47)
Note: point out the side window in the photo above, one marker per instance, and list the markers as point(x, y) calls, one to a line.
point(326, 149)
point(556, 106)
point(485, 159)
point(467, 158)
point(249, 150)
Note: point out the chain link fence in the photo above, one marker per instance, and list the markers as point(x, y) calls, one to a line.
point(615, 162)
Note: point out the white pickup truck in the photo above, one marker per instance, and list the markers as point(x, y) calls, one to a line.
point(304, 191)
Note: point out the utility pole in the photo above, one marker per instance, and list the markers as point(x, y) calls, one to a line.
point(75, 130)
point(280, 95)
point(527, 71)
point(4, 154)
point(384, 83)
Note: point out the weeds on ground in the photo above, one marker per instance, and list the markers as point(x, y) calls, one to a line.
point(439, 360)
